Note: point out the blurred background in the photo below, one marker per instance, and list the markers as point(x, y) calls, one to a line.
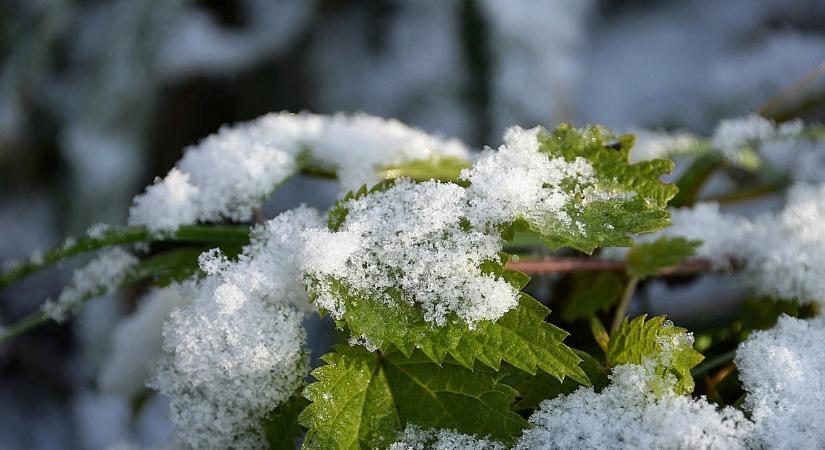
point(99, 97)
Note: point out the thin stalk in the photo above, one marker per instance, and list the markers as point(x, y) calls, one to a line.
point(541, 266)
point(130, 235)
point(621, 310)
point(808, 78)
point(147, 268)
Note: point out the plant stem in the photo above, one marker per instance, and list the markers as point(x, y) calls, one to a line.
point(621, 310)
point(808, 78)
point(541, 266)
point(130, 235)
point(147, 268)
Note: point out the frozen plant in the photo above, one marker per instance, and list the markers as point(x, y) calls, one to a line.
point(417, 265)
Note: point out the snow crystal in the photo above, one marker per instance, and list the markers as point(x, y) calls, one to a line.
point(136, 343)
point(409, 240)
point(783, 372)
point(223, 371)
point(236, 352)
point(267, 269)
point(230, 172)
point(415, 438)
point(518, 181)
point(99, 277)
point(630, 414)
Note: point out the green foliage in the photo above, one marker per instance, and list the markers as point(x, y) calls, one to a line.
point(646, 259)
point(638, 196)
point(281, 426)
point(444, 169)
point(362, 399)
point(669, 346)
point(521, 337)
point(592, 293)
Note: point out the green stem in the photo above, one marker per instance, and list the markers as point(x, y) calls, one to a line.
point(621, 310)
point(695, 177)
point(149, 267)
point(130, 235)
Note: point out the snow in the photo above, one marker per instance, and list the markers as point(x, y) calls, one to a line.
point(416, 438)
point(136, 344)
point(518, 181)
point(99, 277)
point(784, 252)
point(784, 375)
point(232, 171)
point(237, 351)
point(223, 371)
point(731, 135)
point(410, 237)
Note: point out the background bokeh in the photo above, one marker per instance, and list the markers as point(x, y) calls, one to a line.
point(99, 97)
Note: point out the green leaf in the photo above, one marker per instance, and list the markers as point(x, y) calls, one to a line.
point(646, 259)
point(520, 337)
point(658, 339)
point(638, 197)
point(362, 399)
point(592, 293)
point(438, 168)
point(281, 426)
point(533, 389)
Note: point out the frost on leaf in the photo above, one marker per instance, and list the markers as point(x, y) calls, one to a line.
point(402, 269)
point(420, 265)
point(658, 340)
point(408, 245)
point(363, 399)
point(621, 199)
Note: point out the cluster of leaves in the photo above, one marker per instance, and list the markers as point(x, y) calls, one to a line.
point(481, 379)
point(472, 379)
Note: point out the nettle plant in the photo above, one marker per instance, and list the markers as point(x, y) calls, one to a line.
point(418, 266)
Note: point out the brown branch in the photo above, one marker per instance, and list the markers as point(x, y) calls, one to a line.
point(808, 78)
point(545, 266)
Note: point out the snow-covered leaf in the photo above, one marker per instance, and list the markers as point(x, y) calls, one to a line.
point(668, 346)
